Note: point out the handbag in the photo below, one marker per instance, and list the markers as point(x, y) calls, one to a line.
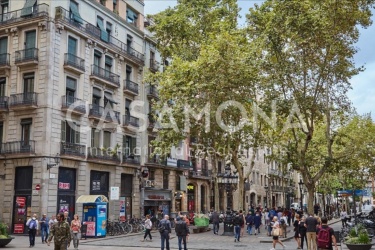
point(276, 232)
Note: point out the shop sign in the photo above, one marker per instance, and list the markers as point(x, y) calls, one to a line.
point(115, 193)
point(18, 228)
point(21, 201)
point(155, 197)
point(63, 185)
point(190, 187)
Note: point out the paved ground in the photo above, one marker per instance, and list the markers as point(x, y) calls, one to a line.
point(198, 241)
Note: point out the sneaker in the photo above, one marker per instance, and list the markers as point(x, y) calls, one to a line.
point(272, 249)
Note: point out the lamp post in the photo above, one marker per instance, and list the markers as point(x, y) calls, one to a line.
point(267, 192)
point(300, 184)
point(229, 182)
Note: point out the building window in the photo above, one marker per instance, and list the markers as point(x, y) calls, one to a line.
point(127, 107)
point(96, 96)
point(28, 83)
point(108, 100)
point(102, 2)
point(219, 166)
point(108, 28)
point(4, 50)
point(115, 6)
point(165, 179)
point(106, 139)
point(108, 66)
point(95, 138)
point(26, 131)
point(71, 85)
point(151, 174)
point(3, 82)
point(103, 32)
point(72, 46)
point(131, 16)
point(128, 72)
point(30, 44)
point(70, 134)
point(74, 12)
point(129, 145)
point(129, 43)
point(4, 9)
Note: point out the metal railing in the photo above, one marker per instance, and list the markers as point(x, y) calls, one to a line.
point(105, 75)
point(67, 148)
point(154, 65)
point(130, 158)
point(4, 100)
point(130, 120)
point(131, 86)
point(74, 61)
point(22, 14)
point(156, 159)
point(152, 91)
point(28, 98)
point(202, 173)
point(104, 113)
point(70, 102)
point(26, 55)
point(63, 14)
point(5, 59)
point(102, 154)
point(17, 147)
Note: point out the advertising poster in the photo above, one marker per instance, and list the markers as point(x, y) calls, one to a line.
point(102, 220)
point(18, 228)
point(90, 228)
point(122, 209)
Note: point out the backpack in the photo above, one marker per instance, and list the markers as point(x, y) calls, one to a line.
point(323, 238)
point(32, 224)
point(161, 227)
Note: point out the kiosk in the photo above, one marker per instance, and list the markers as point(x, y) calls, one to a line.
point(94, 215)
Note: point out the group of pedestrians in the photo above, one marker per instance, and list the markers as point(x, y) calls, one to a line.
point(59, 227)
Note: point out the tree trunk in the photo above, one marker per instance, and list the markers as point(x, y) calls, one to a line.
point(310, 201)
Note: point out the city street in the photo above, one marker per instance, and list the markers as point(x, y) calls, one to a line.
point(204, 241)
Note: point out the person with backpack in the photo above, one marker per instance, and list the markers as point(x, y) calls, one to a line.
point(311, 225)
point(148, 226)
point(326, 236)
point(182, 231)
point(237, 221)
point(165, 230)
point(215, 221)
point(33, 226)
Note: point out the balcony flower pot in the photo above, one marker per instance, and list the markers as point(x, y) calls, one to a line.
point(358, 239)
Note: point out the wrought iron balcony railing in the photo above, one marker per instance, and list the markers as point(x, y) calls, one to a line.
point(152, 92)
point(26, 55)
point(28, 98)
point(4, 59)
point(106, 114)
point(72, 149)
point(74, 104)
point(130, 158)
point(102, 154)
point(154, 65)
point(4, 100)
point(130, 86)
point(74, 61)
point(23, 14)
point(130, 120)
point(18, 147)
point(106, 75)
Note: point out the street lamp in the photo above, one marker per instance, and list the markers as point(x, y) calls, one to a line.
point(300, 184)
point(267, 192)
point(229, 181)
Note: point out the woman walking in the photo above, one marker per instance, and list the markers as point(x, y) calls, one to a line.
point(276, 233)
point(148, 226)
point(75, 227)
point(302, 231)
point(296, 231)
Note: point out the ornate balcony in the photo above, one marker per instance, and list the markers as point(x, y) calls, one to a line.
point(73, 105)
point(4, 100)
point(23, 101)
point(98, 154)
point(203, 174)
point(72, 149)
point(154, 65)
point(5, 61)
point(131, 88)
point(104, 114)
point(130, 121)
point(18, 147)
point(24, 14)
point(74, 63)
point(27, 57)
point(155, 160)
point(131, 159)
point(152, 92)
point(104, 76)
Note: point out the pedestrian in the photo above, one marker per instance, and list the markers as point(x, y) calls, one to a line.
point(44, 228)
point(148, 226)
point(33, 225)
point(51, 222)
point(215, 222)
point(243, 223)
point(237, 226)
point(182, 231)
point(257, 223)
point(165, 230)
point(61, 231)
point(343, 217)
point(75, 227)
point(302, 231)
point(296, 231)
point(276, 233)
point(249, 222)
point(67, 218)
point(332, 237)
point(311, 225)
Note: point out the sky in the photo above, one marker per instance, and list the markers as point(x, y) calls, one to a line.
point(363, 93)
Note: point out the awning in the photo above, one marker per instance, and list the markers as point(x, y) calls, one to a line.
point(28, 8)
point(91, 198)
point(109, 97)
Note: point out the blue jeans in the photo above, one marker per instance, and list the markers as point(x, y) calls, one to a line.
point(44, 234)
point(164, 237)
point(249, 227)
point(237, 230)
point(216, 227)
point(180, 240)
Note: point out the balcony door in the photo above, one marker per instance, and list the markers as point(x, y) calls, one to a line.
point(28, 88)
point(72, 50)
point(3, 50)
point(71, 85)
point(25, 134)
point(30, 44)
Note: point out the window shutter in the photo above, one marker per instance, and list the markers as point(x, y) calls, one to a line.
point(28, 8)
point(63, 131)
point(77, 134)
point(75, 12)
point(3, 45)
point(30, 39)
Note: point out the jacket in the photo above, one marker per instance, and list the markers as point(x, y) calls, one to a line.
point(181, 228)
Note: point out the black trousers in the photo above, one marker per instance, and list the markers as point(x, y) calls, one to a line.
point(32, 233)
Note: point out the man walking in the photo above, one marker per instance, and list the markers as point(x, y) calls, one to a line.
point(61, 231)
point(165, 230)
point(32, 223)
point(311, 224)
point(44, 228)
point(332, 237)
point(215, 221)
point(182, 231)
point(237, 222)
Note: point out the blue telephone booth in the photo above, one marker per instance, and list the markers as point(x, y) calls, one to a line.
point(94, 215)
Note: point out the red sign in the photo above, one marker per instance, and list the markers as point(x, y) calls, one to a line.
point(63, 185)
point(18, 228)
point(37, 187)
point(90, 228)
point(21, 201)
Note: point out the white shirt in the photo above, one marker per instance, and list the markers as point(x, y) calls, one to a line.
point(343, 215)
point(37, 223)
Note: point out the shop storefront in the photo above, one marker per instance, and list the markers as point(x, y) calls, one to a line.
point(191, 197)
point(126, 197)
point(66, 188)
point(99, 184)
point(156, 202)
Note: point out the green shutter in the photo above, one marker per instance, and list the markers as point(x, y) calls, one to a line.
point(30, 39)
point(108, 61)
point(63, 131)
point(72, 46)
point(28, 8)
point(75, 12)
point(77, 134)
point(3, 45)
point(103, 33)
